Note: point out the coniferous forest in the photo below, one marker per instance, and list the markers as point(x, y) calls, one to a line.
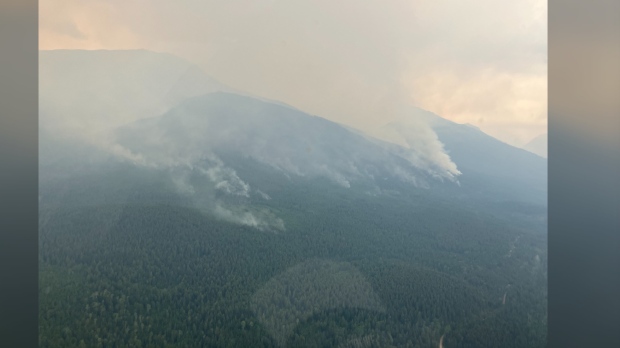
point(127, 262)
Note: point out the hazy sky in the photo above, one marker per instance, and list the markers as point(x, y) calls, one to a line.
point(482, 62)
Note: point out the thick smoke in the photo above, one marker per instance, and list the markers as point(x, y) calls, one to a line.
point(425, 149)
point(204, 181)
point(481, 62)
point(262, 220)
point(412, 130)
point(152, 110)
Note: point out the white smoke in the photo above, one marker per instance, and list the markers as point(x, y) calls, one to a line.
point(263, 195)
point(185, 174)
point(262, 220)
point(79, 106)
point(226, 179)
point(426, 151)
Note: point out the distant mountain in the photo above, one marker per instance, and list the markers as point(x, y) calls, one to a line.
point(200, 216)
point(489, 166)
point(281, 137)
point(538, 145)
point(86, 91)
point(93, 93)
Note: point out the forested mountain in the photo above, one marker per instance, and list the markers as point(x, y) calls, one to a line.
point(489, 167)
point(233, 221)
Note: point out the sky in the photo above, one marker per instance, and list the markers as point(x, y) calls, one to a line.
point(482, 62)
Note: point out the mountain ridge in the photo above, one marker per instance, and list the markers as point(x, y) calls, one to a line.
point(482, 159)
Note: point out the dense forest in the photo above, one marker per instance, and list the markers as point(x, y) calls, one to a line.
point(127, 262)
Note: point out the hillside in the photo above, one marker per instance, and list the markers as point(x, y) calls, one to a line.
point(212, 218)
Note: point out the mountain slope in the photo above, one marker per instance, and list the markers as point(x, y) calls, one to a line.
point(538, 145)
point(228, 220)
point(489, 167)
point(282, 137)
point(87, 94)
